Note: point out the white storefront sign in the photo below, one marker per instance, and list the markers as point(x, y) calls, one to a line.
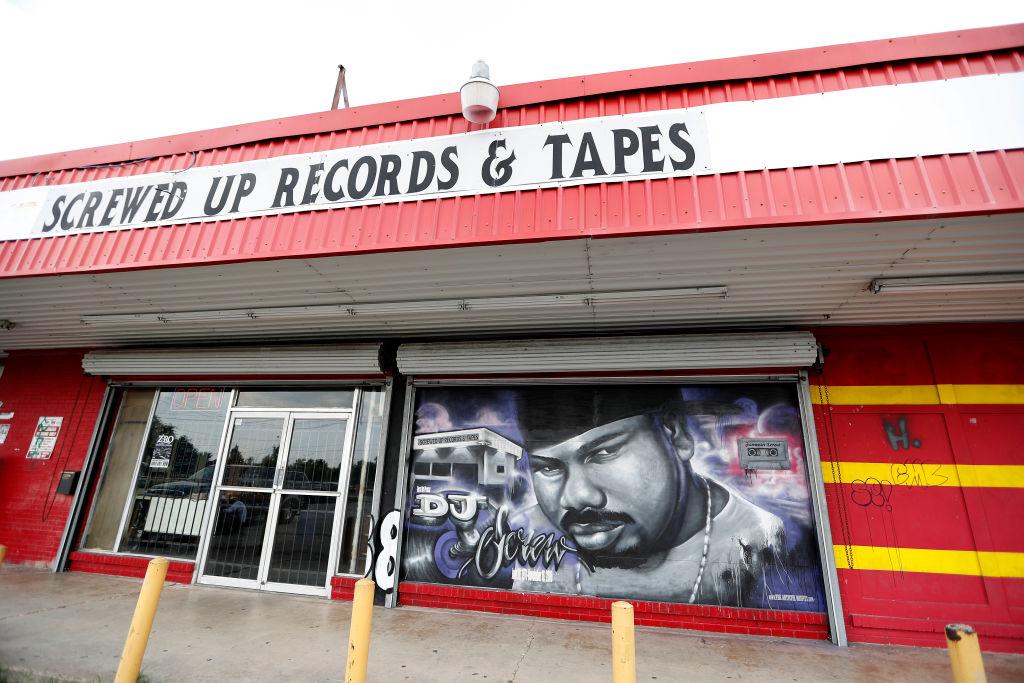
point(935, 117)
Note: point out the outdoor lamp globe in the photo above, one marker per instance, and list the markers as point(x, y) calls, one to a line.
point(479, 95)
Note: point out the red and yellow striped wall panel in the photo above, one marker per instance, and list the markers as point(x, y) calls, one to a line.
point(922, 440)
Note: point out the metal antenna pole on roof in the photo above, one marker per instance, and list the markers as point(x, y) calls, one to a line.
point(340, 89)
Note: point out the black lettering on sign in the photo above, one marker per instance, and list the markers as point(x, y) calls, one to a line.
point(246, 184)
point(355, 190)
point(286, 186)
point(67, 222)
point(587, 159)
point(650, 146)
point(496, 173)
point(556, 142)
point(55, 211)
point(626, 143)
point(213, 206)
point(89, 211)
point(683, 145)
point(108, 213)
point(390, 165)
point(448, 157)
point(134, 198)
point(175, 200)
point(160, 192)
point(334, 192)
point(424, 161)
point(312, 183)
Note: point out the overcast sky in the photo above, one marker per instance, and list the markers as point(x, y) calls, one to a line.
point(81, 74)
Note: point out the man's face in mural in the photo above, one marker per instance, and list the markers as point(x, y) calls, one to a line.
point(615, 489)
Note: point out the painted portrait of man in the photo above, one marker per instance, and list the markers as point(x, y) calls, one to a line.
point(612, 469)
point(632, 491)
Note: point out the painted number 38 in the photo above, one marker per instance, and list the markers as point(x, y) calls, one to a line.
point(383, 559)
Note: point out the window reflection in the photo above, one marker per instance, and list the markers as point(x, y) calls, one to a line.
point(295, 398)
point(252, 452)
point(172, 488)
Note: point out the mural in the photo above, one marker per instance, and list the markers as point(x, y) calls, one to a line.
point(694, 493)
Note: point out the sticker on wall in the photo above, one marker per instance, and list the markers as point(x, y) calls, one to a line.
point(45, 438)
point(3, 432)
point(619, 491)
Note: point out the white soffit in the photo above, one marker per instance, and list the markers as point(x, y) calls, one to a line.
point(778, 278)
point(256, 360)
point(663, 352)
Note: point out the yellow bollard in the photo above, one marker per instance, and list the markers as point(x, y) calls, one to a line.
point(359, 632)
point(3, 553)
point(964, 654)
point(623, 644)
point(142, 622)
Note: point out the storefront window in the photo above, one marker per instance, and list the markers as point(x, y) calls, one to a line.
point(288, 449)
point(362, 477)
point(118, 468)
point(171, 492)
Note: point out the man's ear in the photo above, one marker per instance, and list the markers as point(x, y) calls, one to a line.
point(673, 421)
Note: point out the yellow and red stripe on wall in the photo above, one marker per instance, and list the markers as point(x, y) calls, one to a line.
point(918, 394)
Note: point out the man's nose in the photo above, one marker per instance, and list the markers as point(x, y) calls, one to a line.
point(579, 493)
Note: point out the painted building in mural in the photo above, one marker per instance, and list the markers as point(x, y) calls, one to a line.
point(616, 344)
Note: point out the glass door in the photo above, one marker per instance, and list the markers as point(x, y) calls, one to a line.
point(274, 525)
point(302, 549)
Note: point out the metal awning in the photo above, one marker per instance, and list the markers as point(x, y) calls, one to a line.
point(661, 352)
point(339, 359)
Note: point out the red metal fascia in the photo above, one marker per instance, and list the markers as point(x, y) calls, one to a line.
point(746, 67)
point(886, 190)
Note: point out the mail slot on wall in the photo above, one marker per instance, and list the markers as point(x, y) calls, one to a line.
point(68, 481)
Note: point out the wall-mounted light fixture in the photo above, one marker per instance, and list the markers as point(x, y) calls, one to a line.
point(949, 283)
point(479, 95)
point(456, 306)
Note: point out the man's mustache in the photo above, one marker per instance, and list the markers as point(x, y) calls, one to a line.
point(594, 516)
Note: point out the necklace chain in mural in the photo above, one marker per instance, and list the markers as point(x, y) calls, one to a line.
point(703, 555)
point(707, 542)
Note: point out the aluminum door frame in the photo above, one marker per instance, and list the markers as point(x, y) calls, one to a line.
point(276, 493)
point(339, 495)
point(214, 496)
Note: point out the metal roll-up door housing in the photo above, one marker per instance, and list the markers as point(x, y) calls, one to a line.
point(338, 359)
point(656, 352)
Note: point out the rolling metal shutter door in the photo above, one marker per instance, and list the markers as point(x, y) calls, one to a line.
point(662, 352)
point(341, 359)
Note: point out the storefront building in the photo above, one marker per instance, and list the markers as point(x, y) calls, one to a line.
point(738, 341)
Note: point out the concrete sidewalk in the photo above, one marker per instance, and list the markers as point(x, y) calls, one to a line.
point(72, 627)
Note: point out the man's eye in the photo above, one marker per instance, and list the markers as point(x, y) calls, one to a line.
point(601, 454)
point(548, 470)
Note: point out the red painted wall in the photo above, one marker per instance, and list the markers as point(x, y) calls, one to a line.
point(35, 384)
point(891, 604)
point(899, 603)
